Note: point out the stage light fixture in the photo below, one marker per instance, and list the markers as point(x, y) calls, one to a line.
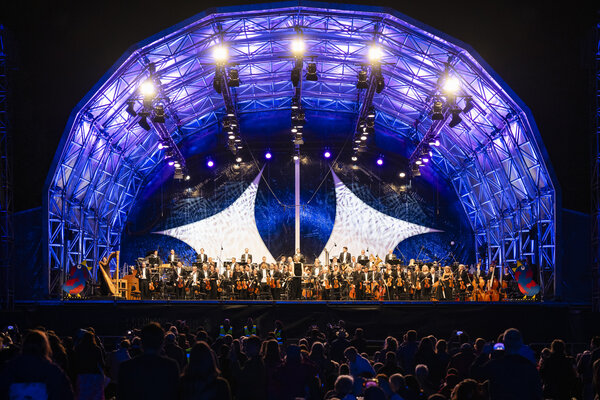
point(418, 162)
point(415, 171)
point(437, 111)
point(217, 83)
point(159, 114)
point(210, 163)
point(357, 141)
point(375, 53)
point(380, 161)
point(379, 84)
point(363, 138)
point(296, 157)
point(425, 160)
point(370, 124)
point(327, 154)
point(187, 178)
point(171, 163)
point(295, 76)
point(468, 104)
point(434, 143)
point(295, 104)
point(230, 114)
point(311, 72)
point(298, 46)
point(456, 119)
point(362, 80)
point(238, 159)
point(176, 164)
point(147, 89)
point(294, 130)
point(451, 85)
point(234, 78)
point(268, 155)
point(354, 158)
point(130, 108)
point(237, 140)
point(402, 175)
point(231, 137)
point(220, 54)
point(143, 122)
point(371, 112)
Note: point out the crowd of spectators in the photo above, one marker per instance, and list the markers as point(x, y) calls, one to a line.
point(174, 362)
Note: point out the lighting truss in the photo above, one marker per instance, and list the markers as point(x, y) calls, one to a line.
point(494, 158)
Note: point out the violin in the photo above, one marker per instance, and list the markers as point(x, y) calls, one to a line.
point(207, 284)
point(352, 292)
point(151, 286)
point(238, 285)
point(426, 283)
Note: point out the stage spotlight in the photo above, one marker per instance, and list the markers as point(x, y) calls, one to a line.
point(130, 108)
point(311, 72)
point(220, 54)
point(425, 160)
point(231, 137)
point(234, 77)
point(147, 89)
point(176, 164)
point(327, 154)
point(294, 130)
point(362, 80)
point(456, 119)
point(375, 54)
point(187, 177)
point(380, 161)
point(296, 157)
point(171, 163)
point(210, 163)
point(468, 104)
point(268, 155)
point(159, 114)
point(295, 76)
point(298, 118)
point(295, 104)
point(437, 111)
point(434, 143)
point(363, 138)
point(238, 159)
point(402, 175)
point(418, 162)
point(451, 85)
point(298, 47)
point(354, 158)
point(143, 122)
point(415, 171)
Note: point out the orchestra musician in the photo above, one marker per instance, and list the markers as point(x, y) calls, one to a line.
point(363, 258)
point(154, 260)
point(227, 281)
point(462, 281)
point(264, 276)
point(345, 257)
point(425, 283)
point(194, 282)
point(178, 279)
point(295, 284)
point(300, 256)
point(246, 257)
point(143, 274)
point(418, 282)
point(213, 276)
point(172, 258)
point(201, 257)
point(447, 282)
point(390, 256)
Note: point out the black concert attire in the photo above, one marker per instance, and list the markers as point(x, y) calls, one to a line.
point(246, 258)
point(213, 277)
point(178, 280)
point(144, 277)
point(426, 285)
point(462, 280)
point(172, 259)
point(264, 277)
point(227, 282)
point(363, 259)
point(345, 257)
point(300, 257)
point(296, 282)
point(154, 261)
point(390, 257)
point(202, 258)
point(277, 278)
point(446, 289)
point(194, 283)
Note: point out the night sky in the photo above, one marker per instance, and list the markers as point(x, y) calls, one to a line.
point(544, 51)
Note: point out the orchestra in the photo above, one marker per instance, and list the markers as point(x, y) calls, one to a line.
point(345, 277)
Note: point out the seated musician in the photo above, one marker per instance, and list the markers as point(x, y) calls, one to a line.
point(317, 268)
point(363, 258)
point(154, 260)
point(345, 257)
point(390, 256)
point(178, 279)
point(172, 258)
point(143, 274)
point(201, 257)
point(246, 257)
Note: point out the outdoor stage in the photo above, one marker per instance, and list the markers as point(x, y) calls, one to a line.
point(570, 322)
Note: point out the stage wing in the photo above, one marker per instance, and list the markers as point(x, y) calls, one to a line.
point(360, 227)
point(231, 230)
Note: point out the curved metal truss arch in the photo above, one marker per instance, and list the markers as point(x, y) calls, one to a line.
point(495, 158)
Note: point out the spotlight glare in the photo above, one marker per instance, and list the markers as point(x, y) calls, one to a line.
point(375, 53)
point(171, 163)
point(298, 46)
point(187, 177)
point(268, 155)
point(380, 161)
point(451, 85)
point(327, 154)
point(177, 165)
point(418, 162)
point(147, 88)
point(354, 158)
point(363, 138)
point(210, 163)
point(238, 160)
point(402, 175)
point(425, 160)
point(231, 137)
point(296, 158)
point(220, 53)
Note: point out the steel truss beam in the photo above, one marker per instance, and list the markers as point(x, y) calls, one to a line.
point(494, 159)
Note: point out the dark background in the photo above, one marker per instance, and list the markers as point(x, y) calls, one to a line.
point(543, 50)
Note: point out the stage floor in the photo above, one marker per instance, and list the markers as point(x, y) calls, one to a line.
point(542, 320)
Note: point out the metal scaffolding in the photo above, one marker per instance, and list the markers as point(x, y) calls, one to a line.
point(494, 159)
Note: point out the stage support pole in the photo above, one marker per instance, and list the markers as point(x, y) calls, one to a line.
point(297, 202)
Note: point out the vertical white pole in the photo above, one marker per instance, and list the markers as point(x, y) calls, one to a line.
point(297, 203)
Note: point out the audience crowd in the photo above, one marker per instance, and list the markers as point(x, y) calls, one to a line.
point(176, 362)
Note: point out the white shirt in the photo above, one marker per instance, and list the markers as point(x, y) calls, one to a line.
point(264, 276)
